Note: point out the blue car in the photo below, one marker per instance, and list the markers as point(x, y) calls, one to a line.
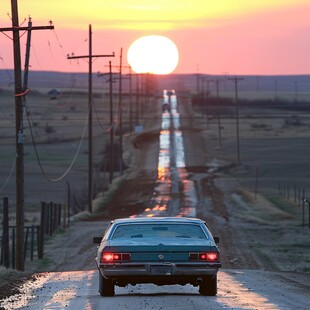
point(163, 251)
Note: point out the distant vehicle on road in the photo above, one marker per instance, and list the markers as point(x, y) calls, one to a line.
point(166, 107)
point(162, 251)
point(167, 100)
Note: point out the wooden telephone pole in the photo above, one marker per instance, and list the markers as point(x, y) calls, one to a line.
point(20, 92)
point(111, 151)
point(217, 83)
point(120, 107)
point(90, 57)
point(236, 80)
point(120, 111)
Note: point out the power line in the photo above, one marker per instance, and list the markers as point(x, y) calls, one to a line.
point(9, 176)
point(37, 154)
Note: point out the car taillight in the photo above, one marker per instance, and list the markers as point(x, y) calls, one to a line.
point(207, 256)
point(114, 257)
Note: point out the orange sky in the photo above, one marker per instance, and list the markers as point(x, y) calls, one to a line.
point(234, 36)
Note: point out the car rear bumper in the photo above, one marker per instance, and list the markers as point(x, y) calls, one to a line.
point(159, 269)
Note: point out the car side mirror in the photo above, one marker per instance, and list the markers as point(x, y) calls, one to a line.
point(97, 240)
point(216, 240)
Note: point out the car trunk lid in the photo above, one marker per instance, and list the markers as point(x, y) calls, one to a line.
point(164, 250)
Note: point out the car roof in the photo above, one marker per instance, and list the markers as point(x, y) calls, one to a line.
point(185, 220)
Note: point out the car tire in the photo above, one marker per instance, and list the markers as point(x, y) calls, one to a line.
point(209, 286)
point(106, 287)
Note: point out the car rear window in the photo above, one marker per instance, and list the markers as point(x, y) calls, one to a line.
point(132, 231)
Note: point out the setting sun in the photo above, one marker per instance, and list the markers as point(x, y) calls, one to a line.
point(153, 54)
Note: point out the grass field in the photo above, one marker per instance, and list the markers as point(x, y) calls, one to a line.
point(269, 139)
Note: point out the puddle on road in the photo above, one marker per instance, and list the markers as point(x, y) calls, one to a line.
point(174, 193)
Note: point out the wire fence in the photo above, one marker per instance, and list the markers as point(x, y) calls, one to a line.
point(299, 196)
point(52, 217)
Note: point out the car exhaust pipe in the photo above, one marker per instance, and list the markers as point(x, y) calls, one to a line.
point(199, 281)
point(115, 281)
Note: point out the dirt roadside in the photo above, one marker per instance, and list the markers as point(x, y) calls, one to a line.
point(250, 237)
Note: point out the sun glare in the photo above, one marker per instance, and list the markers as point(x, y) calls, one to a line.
point(153, 54)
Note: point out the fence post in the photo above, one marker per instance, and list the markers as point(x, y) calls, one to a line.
point(59, 215)
point(32, 243)
point(55, 217)
point(1, 252)
point(288, 192)
point(309, 214)
point(13, 247)
point(5, 234)
point(256, 183)
point(65, 216)
point(303, 208)
point(51, 219)
point(46, 220)
point(68, 202)
point(42, 230)
point(26, 242)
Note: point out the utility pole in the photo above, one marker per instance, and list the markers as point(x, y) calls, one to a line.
point(276, 89)
point(137, 99)
point(27, 57)
point(130, 92)
point(120, 114)
point(296, 90)
point(111, 80)
point(120, 68)
point(198, 79)
point(90, 57)
point(225, 79)
point(217, 81)
point(111, 124)
point(19, 94)
point(236, 80)
point(130, 99)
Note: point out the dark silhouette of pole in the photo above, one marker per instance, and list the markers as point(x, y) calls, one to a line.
point(111, 80)
point(236, 80)
point(20, 92)
point(120, 108)
point(217, 83)
point(90, 123)
point(111, 124)
point(27, 57)
point(5, 233)
point(130, 99)
point(130, 91)
point(19, 143)
point(276, 89)
point(225, 79)
point(198, 79)
point(90, 57)
point(137, 99)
